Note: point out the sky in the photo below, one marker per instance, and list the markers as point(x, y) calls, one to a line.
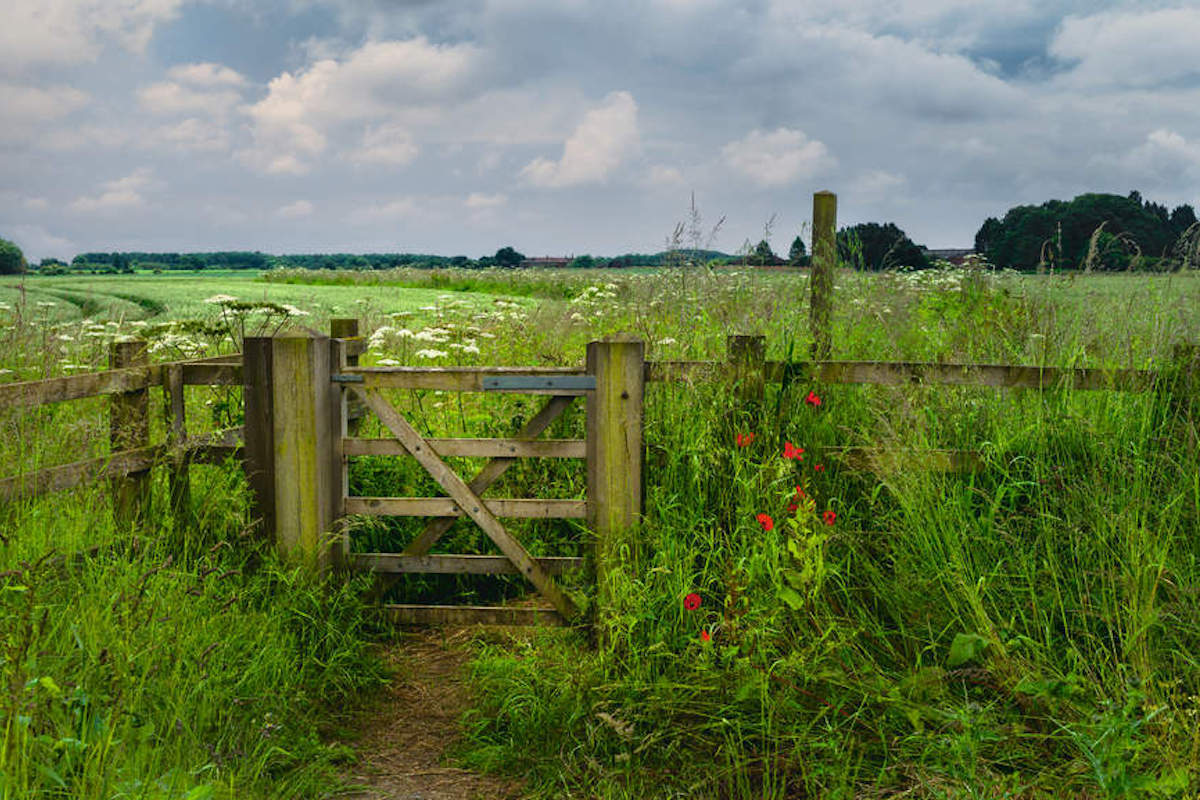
point(564, 127)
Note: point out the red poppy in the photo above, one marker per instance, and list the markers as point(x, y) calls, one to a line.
point(830, 517)
point(791, 451)
point(745, 439)
point(812, 399)
point(792, 506)
point(691, 602)
point(800, 495)
point(819, 467)
point(766, 521)
point(705, 637)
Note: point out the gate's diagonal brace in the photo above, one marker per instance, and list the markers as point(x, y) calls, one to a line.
point(467, 500)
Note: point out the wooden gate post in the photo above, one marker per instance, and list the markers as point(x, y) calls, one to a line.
point(747, 357)
point(347, 328)
point(614, 449)
point(129, 428)
point(258, 432)
point(179, 478)
point(308, 487)
point(824, 259)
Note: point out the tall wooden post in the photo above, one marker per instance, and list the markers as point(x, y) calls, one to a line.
point(347, 328)
point(747, 357)
point(823, 262)
point(179, 479)
point(258, 459)
point(129, 428)
point(614, 449)
point(304, 402)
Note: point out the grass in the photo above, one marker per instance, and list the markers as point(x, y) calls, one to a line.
point(1026, 630)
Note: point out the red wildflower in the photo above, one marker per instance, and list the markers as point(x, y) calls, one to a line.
point(745, 439)
point(691, 602)
point(830, 517)
point(819, 467)
point(791, 451)
point(800, 495)
point(705, 636)
point(813, 399)
point(766, 521)
point(792, 506)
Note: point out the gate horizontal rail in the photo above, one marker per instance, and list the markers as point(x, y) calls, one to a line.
point(473, 448)
point(511, 508)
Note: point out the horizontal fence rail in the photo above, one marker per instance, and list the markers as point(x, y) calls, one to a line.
point(513, 508)
point(473, 448)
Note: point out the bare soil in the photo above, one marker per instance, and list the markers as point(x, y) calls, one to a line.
point(406, 737)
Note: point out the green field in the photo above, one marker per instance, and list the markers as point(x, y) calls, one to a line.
point(1026, 630)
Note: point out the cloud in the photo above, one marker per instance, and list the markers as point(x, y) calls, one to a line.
point(777, 157)
point(876, 185)
point(480, 200)
point(289, 125)
point(192, 135)
point(173, 98)
point(123, 193)
point(300, 208)
point(35, 32)
point(390, 211)
point(25, 109)
point(206, 75)
point(605, 137)
point(1130, 49)
point(663, 176)
point(389, 144)
point(1165, 155)
point(38, 243)
point(36, 203)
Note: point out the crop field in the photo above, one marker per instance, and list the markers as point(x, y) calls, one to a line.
point(785, 622)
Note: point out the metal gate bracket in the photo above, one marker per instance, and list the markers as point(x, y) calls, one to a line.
point(527, 383)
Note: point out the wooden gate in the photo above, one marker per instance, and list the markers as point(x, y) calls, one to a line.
point(612, 383)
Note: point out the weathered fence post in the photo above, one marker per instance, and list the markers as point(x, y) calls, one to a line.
point(824, 260)
point(747, 360)
point(304, 402)
point(179, 479)
point(258, 432)
point(129, 428)
point(347, 328)
point(614, 449)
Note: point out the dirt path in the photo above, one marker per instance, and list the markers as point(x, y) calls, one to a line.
point(404, 741)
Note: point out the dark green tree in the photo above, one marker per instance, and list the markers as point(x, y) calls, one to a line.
point(12, 260)
point(762, 255)
point(797, 253)
point(508, 257)
point(873, 247)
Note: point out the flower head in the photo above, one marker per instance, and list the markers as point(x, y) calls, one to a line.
point(818, 467)
point(765, 521)
point(745, 439)
point(705, 636)
point(792, 507)
point(691, 602)
point(830, 517)
point(813, 399)
point(791, 451)
point(800, 495)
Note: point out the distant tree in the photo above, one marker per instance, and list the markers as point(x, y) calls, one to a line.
point(874, 247)
point(51, 262)
point(1182, 218)
point(762, 255)
point(797, 253)
point(508, 257)
point(12, 260)
point(584, 261)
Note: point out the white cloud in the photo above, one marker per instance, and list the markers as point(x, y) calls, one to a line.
point(377, 80)
point(383, 212)
point(1129, 48)
point(38, 104)
point(194, 135)
point(172, 98)
point(300, 208)
point(483, 200)
point(206, 75)
point(663, 176)
point(605, 137)
point(38, 243)
point(36, 32)
point(122, 193)
point(876, 185)
point(389, 144)
point(1165, 154)
point(777, 157)
point(36, 203)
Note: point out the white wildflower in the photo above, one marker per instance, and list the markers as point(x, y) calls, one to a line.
point(387, 362)
point(62, 337)
point(220, 299)
point(292, 311)
point(666, 341)
point(45, 304)
point(431, 354)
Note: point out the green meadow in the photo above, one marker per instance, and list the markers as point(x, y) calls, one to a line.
point(1026, 629)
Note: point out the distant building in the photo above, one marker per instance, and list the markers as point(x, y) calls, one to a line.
point(547, 261)
point(955, 257)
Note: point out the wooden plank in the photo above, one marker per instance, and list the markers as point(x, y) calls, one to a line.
point(994, 375)
point(473, 448)
point(346, 329)
point(512, 508)
point(129, 429)
point(456, 379)
point(179, 479)
point(490, 473)
point(55, 479)
point(468, 500)
point(471, 615)
point(824, 261)
point(455, 564)
point(218, 374)
point(72, 387)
